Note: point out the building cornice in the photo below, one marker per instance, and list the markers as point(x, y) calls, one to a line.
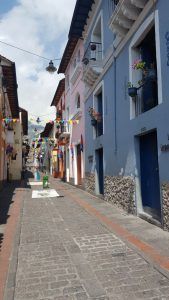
point(92, 15)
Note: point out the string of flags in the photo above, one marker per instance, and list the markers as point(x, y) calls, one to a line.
point(43, 139)
point(58, 121)
point(67, 122)
point(9, 120)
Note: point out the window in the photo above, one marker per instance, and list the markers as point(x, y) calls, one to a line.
point(98, 108)
point(67, 81)
point(99, 126)
point(74, 63)
point(149, 91)
point(145, 46)
point(96, 40)
point(78, 102)
point(78, 56)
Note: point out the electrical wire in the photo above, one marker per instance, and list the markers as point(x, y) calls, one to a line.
point(29, 52)
point(40, 115)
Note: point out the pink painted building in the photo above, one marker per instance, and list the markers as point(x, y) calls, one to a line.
point(71, 66)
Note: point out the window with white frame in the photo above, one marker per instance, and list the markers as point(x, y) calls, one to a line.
point(145, 68)
point(77, 101)
point(98, 111)
point(97, 40)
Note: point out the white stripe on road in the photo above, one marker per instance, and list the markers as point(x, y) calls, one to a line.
point(34, 183)
point(45, 194)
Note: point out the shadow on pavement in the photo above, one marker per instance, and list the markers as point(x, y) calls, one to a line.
point(6, 198)
point(6, 195)
point(28, 174)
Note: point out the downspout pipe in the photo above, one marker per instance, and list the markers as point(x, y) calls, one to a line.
point(115, 107)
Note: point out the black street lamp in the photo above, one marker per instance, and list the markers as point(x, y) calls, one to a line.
point(51, 68)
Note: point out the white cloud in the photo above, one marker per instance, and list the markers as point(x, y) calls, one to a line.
point(39, 26)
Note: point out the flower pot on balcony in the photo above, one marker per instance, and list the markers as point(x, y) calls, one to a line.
point(85, 60)
point(93, 122)
point(132, 91)
point(93, 47)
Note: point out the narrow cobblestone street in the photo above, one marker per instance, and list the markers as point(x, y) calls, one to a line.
point(63, 251)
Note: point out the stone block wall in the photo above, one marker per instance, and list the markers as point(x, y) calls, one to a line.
point(120, 191)
point(165, 205)
point(89, 182)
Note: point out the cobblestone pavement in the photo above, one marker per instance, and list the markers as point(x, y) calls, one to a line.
point(65, 253)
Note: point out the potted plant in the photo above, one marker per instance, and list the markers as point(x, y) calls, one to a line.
point(85, 60)
point(93, 122)
point(147, 74)
point(95, 116)
point(93, 47)
point(132, 90)
point(138, 64)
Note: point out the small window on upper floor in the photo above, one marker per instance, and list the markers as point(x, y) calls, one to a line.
point(74, 63)
point(67, 81)
point(78, 56)
point(78, 102)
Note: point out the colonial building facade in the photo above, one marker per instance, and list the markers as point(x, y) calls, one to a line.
point(71, 66)
point(13, 124)
point(125, 64)
point(116, 63)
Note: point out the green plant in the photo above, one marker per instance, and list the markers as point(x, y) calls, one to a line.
point(129, 84)
point(138, 64)
point(94, 115)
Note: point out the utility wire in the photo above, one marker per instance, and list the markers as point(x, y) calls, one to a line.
point(29, 52)
point(40, 115)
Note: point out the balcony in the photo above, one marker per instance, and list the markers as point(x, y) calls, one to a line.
point(126, 12)
point(92, 63)
point(65, 131)
point(76, 73)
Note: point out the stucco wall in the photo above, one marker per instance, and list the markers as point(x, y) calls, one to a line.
point(120, 138)
point(16, 165)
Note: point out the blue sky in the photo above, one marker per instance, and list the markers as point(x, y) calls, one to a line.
point(6, 5)
point(39, 26)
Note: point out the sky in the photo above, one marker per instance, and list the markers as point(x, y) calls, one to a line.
point(39, 26)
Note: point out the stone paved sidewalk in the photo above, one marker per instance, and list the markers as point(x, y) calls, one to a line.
point(66, 253)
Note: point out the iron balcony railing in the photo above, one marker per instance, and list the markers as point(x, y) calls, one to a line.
point(92, 53)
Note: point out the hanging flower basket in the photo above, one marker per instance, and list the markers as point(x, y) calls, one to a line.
point(132, 91)
point(93, 122)
point(85, 61)
point(93, 47)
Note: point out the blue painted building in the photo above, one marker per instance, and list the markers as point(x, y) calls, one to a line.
point(127, 137)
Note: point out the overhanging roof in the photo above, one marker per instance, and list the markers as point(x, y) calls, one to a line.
point(47, 130)
point(80, 15)
point(24, 118)
point(59, 91)
point(9, 74)
point(70, 47)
